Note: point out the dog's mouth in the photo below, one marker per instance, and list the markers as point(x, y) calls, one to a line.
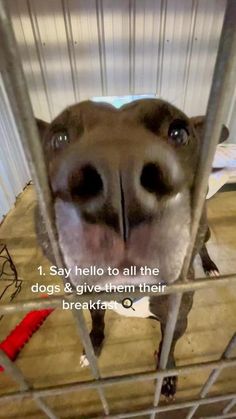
point(153, 254)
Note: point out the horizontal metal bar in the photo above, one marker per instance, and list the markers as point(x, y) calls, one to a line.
point(171, 407)
point(56, 302)
point(229, 406)
point(227, 415)
point(223, 83)
point(110, 381)
point(213, 375)
point(16, 374)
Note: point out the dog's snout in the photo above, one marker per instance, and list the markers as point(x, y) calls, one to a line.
point(118, 185)
point(85, 183)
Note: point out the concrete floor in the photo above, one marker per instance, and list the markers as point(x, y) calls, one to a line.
point(51, 357)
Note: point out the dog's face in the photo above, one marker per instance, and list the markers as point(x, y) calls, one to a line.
point(121, 182)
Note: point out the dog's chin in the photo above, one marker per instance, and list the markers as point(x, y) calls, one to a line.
point(114, 275)
point(157, 246)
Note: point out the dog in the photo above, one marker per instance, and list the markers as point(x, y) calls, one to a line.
point(122, 184)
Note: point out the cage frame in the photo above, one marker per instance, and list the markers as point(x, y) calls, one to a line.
point(219, 101)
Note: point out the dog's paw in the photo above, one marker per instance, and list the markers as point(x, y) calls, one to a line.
point(213, 273)
point(169, 387)
point(84, 361)
point(211, 270)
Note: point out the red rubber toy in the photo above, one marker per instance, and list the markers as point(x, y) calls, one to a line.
point(17, 339)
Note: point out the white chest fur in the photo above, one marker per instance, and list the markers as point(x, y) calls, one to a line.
point(140, 308)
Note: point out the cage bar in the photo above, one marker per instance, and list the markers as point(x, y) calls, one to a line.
point(83, 332)
point(15, 373)
point(173, 311)
point(19, 100)
point(110, 381)
point(219, 100)
point(171, 407)
point(223, 83)
point(214, 375)
point(16, 88)
point(223, 80)
point(227, 415)
point(45, 408)
point(229, 406)
point(180, 287)
point(12, 370)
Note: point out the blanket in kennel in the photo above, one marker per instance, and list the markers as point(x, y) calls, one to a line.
point(224, 165)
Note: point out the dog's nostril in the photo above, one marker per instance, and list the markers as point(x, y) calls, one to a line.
point(153, 180)
point(85, 183)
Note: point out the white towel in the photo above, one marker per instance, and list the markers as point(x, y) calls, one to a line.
point(225, 161)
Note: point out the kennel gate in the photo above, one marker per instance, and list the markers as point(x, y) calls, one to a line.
point(219, 101)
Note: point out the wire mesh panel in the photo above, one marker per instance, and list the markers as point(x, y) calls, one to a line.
point(219, 101)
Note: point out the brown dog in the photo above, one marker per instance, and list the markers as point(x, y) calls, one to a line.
point(122, 187)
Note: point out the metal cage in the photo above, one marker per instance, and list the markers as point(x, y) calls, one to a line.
point(219, 101)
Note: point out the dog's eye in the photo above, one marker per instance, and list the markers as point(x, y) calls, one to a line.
point(178, 133)
point(59, 139)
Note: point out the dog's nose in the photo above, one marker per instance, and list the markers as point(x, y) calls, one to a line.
point(158, 180)
point(119, 187)
point(149, 181)
point(85, 184)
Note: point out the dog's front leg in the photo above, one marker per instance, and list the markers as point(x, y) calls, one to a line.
point(208, 265)
point(169, 385)
point(97, 331)
point(96, 334)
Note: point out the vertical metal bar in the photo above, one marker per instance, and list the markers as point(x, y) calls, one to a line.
point(14, 372)
point(81, 324)
point(175, 301)
point(229, 406)
point(45, 408)
point(219, 101)
point(215, 373)
point(213, 376)
point(19, 99)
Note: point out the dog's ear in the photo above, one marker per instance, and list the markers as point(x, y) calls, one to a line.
point(198, 123)
point(42, 126)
